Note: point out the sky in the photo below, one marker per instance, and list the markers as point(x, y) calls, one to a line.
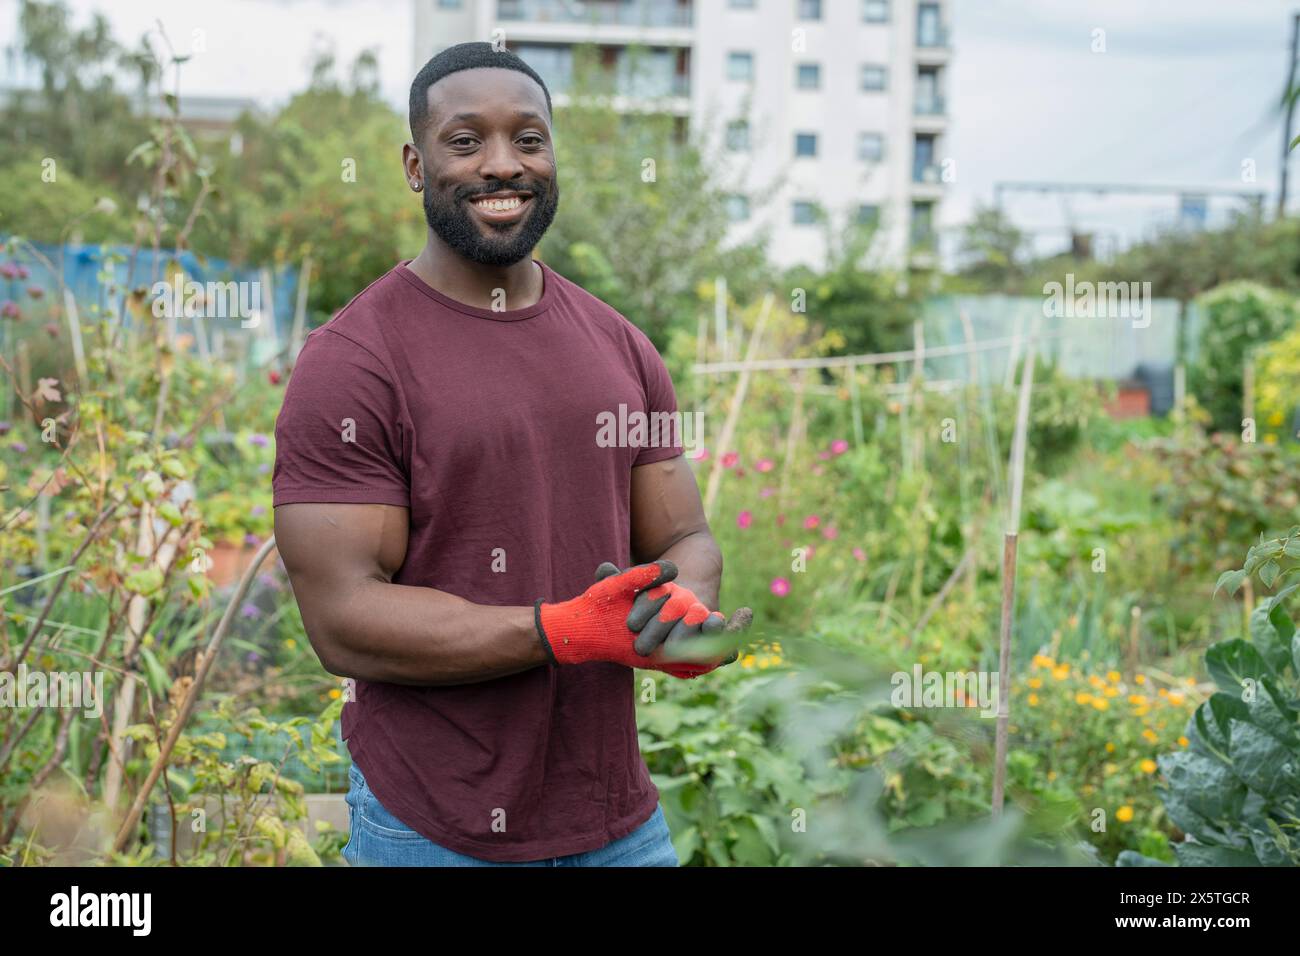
point(1183, 94)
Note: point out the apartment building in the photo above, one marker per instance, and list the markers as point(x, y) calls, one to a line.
point(816, 108)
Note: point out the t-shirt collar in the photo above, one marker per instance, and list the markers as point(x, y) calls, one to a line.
point(510, 315)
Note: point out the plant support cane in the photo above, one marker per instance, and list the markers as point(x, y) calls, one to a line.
point(1009, 541)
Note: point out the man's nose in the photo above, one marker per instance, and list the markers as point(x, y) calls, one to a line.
point(500, 160)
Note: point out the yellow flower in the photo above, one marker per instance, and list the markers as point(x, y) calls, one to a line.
point(335, 693)
point(1033, 700)
point(1095, 681)
point(1110, 747)
point(1162, 692)
point(1150, 735)
point(1113, 676)
point(1041, 661)
point(747, 661)
point(1190, 682)
point(1140, 678)
point(1141, 711)
point(1051, 775)
point(290, 643)
point(1083, 698)
point(1176, 699)
point(1111, 692)
point(1108, 768)
point(1087, 789)
point(1148, 765)
point(1100, 703)
point(1124, 814)
point(1183, 741)
point(1035, 682)
point(1061, 672)
point(1270, 439)
point(1137, 700)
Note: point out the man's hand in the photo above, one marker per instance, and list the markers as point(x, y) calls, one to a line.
point(669, 615)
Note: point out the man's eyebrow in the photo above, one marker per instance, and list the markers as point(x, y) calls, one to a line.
point(465, 117)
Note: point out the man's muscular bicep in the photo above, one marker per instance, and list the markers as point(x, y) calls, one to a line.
point(329, 549)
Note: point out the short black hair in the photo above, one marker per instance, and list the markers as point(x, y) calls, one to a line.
point(462, 56)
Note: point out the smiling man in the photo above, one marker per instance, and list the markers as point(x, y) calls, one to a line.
point(454, 531)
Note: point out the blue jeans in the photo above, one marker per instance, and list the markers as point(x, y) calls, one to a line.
point(377, 838)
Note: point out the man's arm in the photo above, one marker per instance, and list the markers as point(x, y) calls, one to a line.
point(668, 523)
point(341, 559)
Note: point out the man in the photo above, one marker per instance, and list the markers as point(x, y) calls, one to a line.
point(449, 519)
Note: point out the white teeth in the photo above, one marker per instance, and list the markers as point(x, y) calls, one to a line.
point(500, 205)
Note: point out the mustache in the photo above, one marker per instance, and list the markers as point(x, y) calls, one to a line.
point(536, 189)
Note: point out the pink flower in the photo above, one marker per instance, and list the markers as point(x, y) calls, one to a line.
point(767, 492)
point(10, 309)
point(839, 446)
point(780, 520)
point(740, 472)
point(780, 587)
point(830, 532)
point(823, 455)
point(729, 459)
point(811, 521)
point(35, 291)
point(764, 464)
point(809, 550)
point(744, 519)
point(860, 554)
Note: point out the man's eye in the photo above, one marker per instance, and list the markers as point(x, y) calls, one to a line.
point(463, 141)
point(532, 140)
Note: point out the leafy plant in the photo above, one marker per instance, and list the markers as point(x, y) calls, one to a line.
point(1235, 791)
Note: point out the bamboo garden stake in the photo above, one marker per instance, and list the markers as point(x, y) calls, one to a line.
point(1009, 541)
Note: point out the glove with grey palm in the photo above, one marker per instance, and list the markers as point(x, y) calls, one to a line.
point(670, 616)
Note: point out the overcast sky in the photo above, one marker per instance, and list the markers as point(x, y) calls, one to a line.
point(1183, 94)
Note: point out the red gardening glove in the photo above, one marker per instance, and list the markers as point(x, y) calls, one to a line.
point(593, 625)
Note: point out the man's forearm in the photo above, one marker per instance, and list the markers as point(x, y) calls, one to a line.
point(699, 566)
point(400, 634)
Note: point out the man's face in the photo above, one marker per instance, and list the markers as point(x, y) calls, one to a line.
point(490, 187)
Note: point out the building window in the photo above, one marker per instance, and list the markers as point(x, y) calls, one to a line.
point(924, 169)
point(923, 224)
point(741, 4)
point(871, 147)
point(740, 66)
point(449, 4)
point(929, 26)
point(873, 77)
point(875, 11)
point(805, 144)
point(810, 9)
point(868, 214)
point(929, 99)
point(804, 213)
point(808, 76)
point(737, 208)
point(738, 136)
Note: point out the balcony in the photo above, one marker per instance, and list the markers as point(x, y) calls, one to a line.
point(928, 173)
point(930, 105)
point(623, 13)
point(931, 37)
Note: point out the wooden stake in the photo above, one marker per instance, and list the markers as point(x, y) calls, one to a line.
point(737, 402)
point(1009, 544)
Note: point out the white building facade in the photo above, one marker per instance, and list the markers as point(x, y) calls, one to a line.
point(815, 108)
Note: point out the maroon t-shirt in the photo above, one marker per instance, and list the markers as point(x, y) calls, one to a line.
point(484, 425)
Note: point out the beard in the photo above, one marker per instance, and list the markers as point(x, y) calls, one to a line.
point(453, 222)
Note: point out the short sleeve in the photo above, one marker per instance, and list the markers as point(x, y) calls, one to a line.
point(669, 431)
point(338, 437)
